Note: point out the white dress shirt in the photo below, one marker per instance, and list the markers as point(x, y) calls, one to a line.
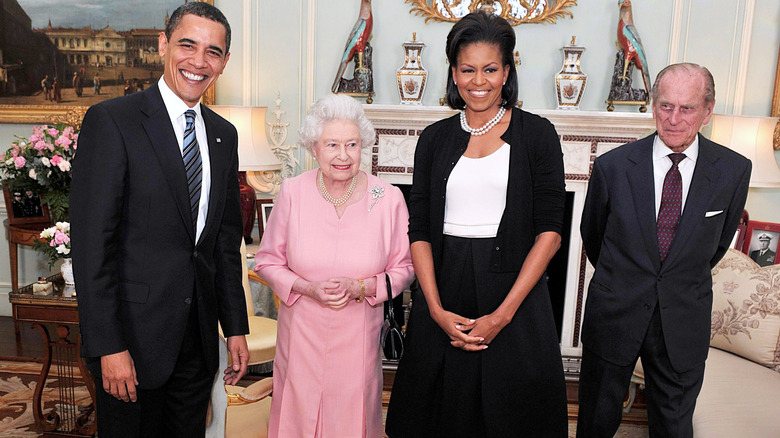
point(662, 163)
point(176, 109)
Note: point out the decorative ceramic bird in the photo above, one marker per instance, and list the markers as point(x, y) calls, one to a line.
point(356, 43)
point(631, 44)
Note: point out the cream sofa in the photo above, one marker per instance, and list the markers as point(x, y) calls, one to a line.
point(740, 396)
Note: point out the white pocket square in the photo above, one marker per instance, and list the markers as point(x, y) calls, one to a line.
point(713, 213)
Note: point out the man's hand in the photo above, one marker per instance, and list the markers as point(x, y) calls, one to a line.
point(239, 357)
point(119, 379)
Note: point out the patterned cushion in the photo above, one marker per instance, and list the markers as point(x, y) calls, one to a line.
point(746, 309)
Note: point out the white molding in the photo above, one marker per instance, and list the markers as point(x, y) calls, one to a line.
point(311, 61)
point(687, 31)
point(730, 79)
point(744, 56)
point(674, 37)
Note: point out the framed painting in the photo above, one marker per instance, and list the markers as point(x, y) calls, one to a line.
point(25, 207)
point(761, 241)
point(264, 207)
point(58, 57)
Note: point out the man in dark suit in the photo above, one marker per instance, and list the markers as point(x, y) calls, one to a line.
point(659, 214)
point(763, 256)
point(156, 233)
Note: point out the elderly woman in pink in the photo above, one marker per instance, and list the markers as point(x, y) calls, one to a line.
point(334, 235)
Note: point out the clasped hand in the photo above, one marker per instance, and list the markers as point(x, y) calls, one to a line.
point(335, 293)
point(470, 334)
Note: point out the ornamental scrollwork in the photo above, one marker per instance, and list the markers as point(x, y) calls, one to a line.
point(514, 11)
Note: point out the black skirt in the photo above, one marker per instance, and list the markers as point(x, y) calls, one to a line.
point(515, 388)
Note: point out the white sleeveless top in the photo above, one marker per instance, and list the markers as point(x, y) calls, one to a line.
point(476, 195)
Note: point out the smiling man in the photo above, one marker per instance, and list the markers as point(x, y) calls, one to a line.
point(659, 214)
point(156, 233)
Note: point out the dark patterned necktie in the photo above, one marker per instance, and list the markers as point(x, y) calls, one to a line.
point(192, 165)
point(671, 206)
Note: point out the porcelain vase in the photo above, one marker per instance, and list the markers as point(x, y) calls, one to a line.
point(570, 81)
point(412, 75)
point(66, 269)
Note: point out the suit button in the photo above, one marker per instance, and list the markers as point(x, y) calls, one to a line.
point(647, 306)
point(497, 248)
point(661, 278)
point(195, 253)
point(188, 301)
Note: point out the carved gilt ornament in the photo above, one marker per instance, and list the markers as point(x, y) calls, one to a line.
point(514, 11)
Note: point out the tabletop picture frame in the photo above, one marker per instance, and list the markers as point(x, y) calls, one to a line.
point(757, 233)
point(22, 207)
point(264, 207)
point(739, 237)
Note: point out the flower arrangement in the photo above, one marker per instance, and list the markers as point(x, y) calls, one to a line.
point(42, 163)
point(54, 242)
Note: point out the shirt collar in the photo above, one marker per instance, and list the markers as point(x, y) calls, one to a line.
point(661, 150)
point(173, 103)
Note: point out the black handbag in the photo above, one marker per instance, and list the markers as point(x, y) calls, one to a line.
point(391, 337)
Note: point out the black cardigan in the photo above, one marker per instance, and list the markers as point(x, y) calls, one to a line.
point(535, 193)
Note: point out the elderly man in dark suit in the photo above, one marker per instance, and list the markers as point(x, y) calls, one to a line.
point(156, 234)
point(763, 256)
point(659, 214)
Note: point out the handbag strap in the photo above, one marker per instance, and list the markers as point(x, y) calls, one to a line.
point(389, 313)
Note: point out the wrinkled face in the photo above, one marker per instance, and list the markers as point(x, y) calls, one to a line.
point(194, 57)
point(764, 244)
point(680, 110)
point(479, 76)
point(338, 150)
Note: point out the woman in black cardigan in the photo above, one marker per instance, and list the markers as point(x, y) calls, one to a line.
point(482, 357)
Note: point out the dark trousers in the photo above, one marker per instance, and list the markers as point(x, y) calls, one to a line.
point(671, 396)
point(177, 409)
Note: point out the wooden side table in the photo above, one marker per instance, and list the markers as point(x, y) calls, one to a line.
point(20, 234)
point(60, 310)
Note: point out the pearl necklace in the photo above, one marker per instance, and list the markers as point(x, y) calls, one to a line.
point(486, 127)
point(328, 197)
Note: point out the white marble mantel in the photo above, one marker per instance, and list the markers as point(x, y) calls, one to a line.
point(584, 135)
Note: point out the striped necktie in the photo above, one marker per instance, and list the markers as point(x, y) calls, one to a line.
point(192, 165)
point(671, 207)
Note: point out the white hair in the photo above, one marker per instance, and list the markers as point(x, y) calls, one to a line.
point(334, 107)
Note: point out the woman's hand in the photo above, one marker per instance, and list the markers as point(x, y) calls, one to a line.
point(326, 293)
point(487, 327)
point(346, 285)
point(456, 327)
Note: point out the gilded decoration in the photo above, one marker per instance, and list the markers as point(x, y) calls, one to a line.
point(514, 11)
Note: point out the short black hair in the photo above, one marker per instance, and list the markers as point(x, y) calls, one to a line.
point(201, 9)
point(481, 27)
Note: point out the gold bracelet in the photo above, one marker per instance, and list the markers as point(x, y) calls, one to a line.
point(362, 292)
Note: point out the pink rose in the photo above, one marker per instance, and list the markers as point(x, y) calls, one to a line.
point(60, 238)
point(19, 162)
point(53, 132)
point(40, 145)
point(55, 160)
point(64, 142)
point(34, 138)
point(68, 131)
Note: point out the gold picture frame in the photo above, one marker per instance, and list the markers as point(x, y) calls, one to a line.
point(454, 10)
point(776, 105)
point(64, 113)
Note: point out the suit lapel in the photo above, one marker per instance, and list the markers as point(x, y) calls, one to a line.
point(640, 178)
point(219, 163)
point(698, 199)
point(166, 147)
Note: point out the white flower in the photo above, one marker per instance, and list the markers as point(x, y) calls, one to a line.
point(9, 162)
point(61, 249)
point(64, 165)
point(32, 174)
point(45, 161)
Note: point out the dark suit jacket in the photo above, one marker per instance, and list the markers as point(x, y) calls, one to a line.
point(619, 234)
point(137, 265)
point(763, 260)
point(535, 196)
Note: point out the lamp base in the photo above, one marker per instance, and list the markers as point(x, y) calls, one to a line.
point(247, 194)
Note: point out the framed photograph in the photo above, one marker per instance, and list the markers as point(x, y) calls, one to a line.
point(761, 242)
point(66, 55)
point(264, 207)
point(739, 238)
point(25, 207)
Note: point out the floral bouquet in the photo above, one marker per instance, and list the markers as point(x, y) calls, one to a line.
point(42, 163)
point(54, 242)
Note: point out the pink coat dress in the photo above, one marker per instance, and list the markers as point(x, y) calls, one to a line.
point(327, 370)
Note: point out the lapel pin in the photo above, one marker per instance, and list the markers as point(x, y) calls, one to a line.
point(219, 140)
